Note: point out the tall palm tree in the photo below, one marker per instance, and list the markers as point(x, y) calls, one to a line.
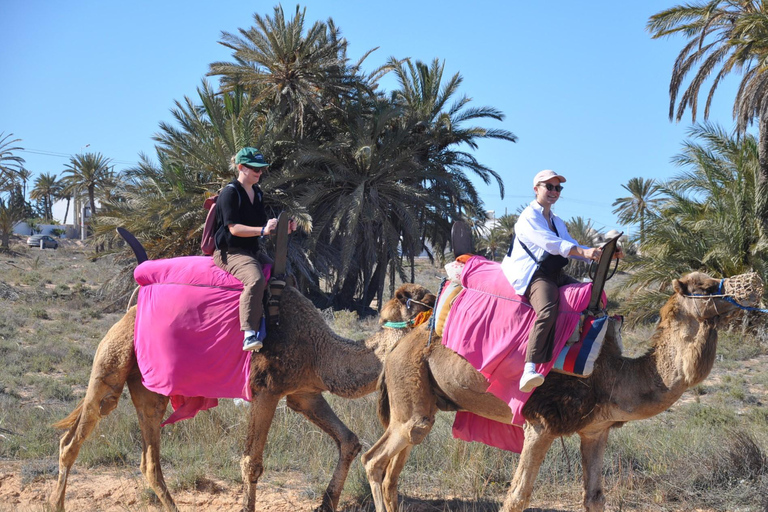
point(358, 189)
point(289, 67)
point(10, 163)
point(641, 202)
point(46, 188)
point(84, 173)
point(436, 117)
point(731, 35)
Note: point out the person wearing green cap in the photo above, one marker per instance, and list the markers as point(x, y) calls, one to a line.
point(243, 220)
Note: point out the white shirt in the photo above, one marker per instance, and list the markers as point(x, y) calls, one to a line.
point(533, 230)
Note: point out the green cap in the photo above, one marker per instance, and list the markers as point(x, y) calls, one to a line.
point(251, 157)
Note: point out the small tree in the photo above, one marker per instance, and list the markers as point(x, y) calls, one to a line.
point(9, 217)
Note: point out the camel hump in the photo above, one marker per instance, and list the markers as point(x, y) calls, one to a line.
point(133, 243)
point(461, 239)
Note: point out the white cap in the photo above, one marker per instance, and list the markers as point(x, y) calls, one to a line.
point(547, 175)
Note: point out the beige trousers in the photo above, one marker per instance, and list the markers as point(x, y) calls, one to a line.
point(246, 267)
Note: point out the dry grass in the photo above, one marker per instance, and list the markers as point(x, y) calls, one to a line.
point(709, 451)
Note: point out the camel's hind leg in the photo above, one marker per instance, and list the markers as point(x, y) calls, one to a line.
point(535, 447)
point(150, 409)
point(113, 362)
point(317, 410)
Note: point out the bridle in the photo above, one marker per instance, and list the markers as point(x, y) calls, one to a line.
point(413, 322)
point(721, 295)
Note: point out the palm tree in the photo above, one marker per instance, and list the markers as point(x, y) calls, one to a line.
point(10, 164)
point(86, 172)
point(287, 67)
point(10, 215)
point(358, 189)
point(46, 188)
point(641, 202)
point(732, 36)
point(707, 218)
point(437, 118)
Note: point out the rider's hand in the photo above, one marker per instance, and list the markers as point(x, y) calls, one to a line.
point(593, 253)
point(292, 226)
point(271, 226)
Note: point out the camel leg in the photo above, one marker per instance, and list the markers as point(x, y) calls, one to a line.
point(317, 410)
point(535, 447)
point(407, 428)
point(392, 476)
point(262, 411)
point(592, 451)
point(150, 409)
point(112, 364)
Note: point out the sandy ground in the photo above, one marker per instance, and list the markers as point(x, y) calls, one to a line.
point(121, 489)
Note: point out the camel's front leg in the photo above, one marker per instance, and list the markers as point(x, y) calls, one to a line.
point(535, 447)
point(317, 410)
point(150, 409)
point(263, 406)
point(376, 462)
point(592, 451)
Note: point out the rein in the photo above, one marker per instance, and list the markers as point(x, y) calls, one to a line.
point(728, 298)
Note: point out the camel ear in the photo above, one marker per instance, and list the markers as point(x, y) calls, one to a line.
point(402, 296)
point(680, 286)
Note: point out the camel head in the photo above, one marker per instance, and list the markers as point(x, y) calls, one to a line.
point(408, 302)
point(705, 297)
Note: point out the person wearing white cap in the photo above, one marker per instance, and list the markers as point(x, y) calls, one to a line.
point(534, 266)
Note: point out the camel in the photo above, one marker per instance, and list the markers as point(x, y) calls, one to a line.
point(301, 359)
point(420, 378)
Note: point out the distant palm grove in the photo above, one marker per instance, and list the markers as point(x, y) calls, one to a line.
point(376, 178)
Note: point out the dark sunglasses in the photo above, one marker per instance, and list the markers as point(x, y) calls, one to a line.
point(254, 169)
point(551, 187)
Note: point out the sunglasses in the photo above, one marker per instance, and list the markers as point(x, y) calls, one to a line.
point(254, 169)
point(551, 187)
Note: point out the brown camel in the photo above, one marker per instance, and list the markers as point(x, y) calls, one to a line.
point(301, 359)
point(418, 380)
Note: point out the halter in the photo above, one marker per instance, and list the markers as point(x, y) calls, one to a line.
point(727, 298)
point(415, 321)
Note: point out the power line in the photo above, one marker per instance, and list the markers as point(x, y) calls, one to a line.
point(66, 155)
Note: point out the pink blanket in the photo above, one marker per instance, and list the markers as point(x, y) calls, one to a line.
point(489, 326)
point(187, 337)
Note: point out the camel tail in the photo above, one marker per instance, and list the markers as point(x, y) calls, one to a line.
point(383, 410)
point(72, 419)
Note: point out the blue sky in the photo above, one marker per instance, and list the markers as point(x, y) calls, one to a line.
point(582, 84)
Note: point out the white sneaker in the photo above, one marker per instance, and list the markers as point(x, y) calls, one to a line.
point(252, 343)
point(530, 379)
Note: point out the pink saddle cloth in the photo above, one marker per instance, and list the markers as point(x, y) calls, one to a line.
point(188, 341)
point(488, 325)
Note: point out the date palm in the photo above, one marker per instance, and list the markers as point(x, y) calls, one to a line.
point(10, 162)
point(437, 117)
point(706, 220)
point(85, 173)
point(46, 188)
point(359, 190)
point(635, 208)
point(287, 66)
point(723, 37)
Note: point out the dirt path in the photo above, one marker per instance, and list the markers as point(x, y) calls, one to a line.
point(122, 489)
